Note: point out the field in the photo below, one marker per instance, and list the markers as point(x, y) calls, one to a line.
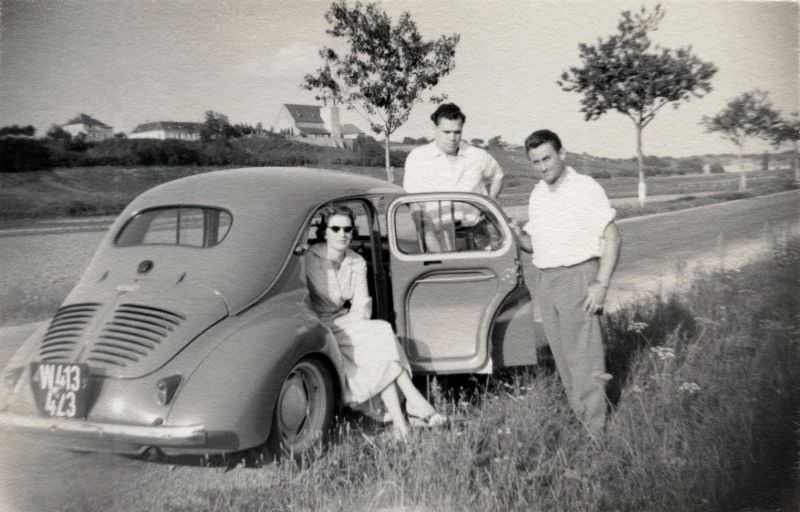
point(103, 190)
point(706, 403)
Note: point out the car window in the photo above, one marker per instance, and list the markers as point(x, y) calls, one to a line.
point(190, 226)
point(445, 226)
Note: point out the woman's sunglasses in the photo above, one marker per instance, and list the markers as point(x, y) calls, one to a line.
point(346, 229)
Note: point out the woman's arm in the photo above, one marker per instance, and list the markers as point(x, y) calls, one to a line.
point(361, 303)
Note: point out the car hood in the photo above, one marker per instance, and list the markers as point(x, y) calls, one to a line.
point(130, 329)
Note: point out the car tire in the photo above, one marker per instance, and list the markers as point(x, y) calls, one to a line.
point(304, 410)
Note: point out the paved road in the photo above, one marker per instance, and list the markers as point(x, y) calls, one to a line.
point(36, 478)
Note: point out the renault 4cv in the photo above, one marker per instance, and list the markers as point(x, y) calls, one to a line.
point(188, 331)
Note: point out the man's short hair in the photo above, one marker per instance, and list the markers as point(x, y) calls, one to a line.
point(447, 111)
point(540, 137)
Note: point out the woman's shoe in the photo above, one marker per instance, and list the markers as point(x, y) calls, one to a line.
point(433, 420)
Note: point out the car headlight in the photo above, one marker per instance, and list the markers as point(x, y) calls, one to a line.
point(166, 388)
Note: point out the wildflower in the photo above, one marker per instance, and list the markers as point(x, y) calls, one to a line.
point(689, 387)
point(637, 327)
point(663, 353)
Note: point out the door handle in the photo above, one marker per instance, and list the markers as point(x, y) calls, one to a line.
point(432, 262)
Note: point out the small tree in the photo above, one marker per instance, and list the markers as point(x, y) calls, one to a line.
point(496, 142)
point(625, 74)
point(787, 129)
point(386, 69)
point(58, 133)
point(748, 115)
point(27, 131)
point(216, 127)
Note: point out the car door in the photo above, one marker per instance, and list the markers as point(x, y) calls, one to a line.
point(453, 262)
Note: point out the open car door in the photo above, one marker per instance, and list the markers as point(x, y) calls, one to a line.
point(454, 263)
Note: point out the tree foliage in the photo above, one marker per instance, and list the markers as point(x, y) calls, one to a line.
point(626, 72)
point(216, 127)
point(496, 142)
point(748, 115)
point(384, 70)
point(28, 131)
point(787, 129)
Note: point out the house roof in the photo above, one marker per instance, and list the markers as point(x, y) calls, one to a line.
point(351, 129)
point(304, 113)
point(168, 125)
point(87, 120)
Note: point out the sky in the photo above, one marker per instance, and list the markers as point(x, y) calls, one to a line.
point(127, 62)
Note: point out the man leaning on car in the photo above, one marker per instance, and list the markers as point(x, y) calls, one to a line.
point(575, 245)
point(449, 165)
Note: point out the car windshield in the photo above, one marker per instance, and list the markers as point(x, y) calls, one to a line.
point(191, 226)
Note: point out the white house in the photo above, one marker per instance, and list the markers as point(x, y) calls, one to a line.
point(91, 128)
point(314, 125)
point(163, 130)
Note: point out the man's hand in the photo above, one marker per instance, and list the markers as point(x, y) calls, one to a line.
point(595, 297)
point(522, 237)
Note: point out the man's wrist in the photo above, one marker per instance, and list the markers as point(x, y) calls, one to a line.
point(601, 284)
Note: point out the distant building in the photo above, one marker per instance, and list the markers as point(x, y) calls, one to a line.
point(163, 130)
point(91, 128)
point(314, 124)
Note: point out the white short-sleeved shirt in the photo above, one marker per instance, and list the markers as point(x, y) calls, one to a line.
point(428, 169)
point(566, 222)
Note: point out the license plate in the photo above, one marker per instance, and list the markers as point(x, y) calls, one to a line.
point(60, 389)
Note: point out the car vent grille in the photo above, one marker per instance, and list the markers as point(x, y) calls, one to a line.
point(65, 331)
point(133, 333)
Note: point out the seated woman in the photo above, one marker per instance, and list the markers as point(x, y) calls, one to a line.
point(373, 361)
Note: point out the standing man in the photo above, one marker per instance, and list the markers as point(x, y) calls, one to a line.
point(575, 245)
point(449, 165)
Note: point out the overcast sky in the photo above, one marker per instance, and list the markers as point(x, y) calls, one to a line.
point(131, 61)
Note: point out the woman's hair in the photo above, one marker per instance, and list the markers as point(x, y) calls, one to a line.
point(329, 211)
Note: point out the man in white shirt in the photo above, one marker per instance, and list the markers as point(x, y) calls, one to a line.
point(450, 165)
point(575, 245)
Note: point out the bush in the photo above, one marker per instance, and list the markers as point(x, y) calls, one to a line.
point(717, 168)
point(18, 154)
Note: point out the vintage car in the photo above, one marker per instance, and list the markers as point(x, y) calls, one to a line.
point(188, 330)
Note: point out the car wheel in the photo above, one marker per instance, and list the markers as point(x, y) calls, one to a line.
point(304, 410)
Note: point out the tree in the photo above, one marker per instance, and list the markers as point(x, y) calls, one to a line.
point(28, 131)
point(496, 142)
point(215, 127)
point(748, 115)
point(627, 73)
point(787, 129)
point(58, 133)
point(385, 69)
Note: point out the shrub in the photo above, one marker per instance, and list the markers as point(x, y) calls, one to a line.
point(717, 168)
point(19, 154)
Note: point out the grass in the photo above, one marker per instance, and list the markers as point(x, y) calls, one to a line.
point(105, 190)
point(707, 403)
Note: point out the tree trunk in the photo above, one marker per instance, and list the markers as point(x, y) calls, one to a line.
point(742, 177)
point(795, 167)
point(389, 168)
point(640, 164)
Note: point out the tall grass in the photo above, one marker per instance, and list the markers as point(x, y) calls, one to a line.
point(706, 399)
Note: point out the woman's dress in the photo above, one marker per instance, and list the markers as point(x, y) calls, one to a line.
point(372, 357)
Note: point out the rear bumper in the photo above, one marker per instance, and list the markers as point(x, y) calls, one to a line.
point(81, 433)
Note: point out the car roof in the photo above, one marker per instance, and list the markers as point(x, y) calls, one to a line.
point(294, 187)
point(269, 206)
